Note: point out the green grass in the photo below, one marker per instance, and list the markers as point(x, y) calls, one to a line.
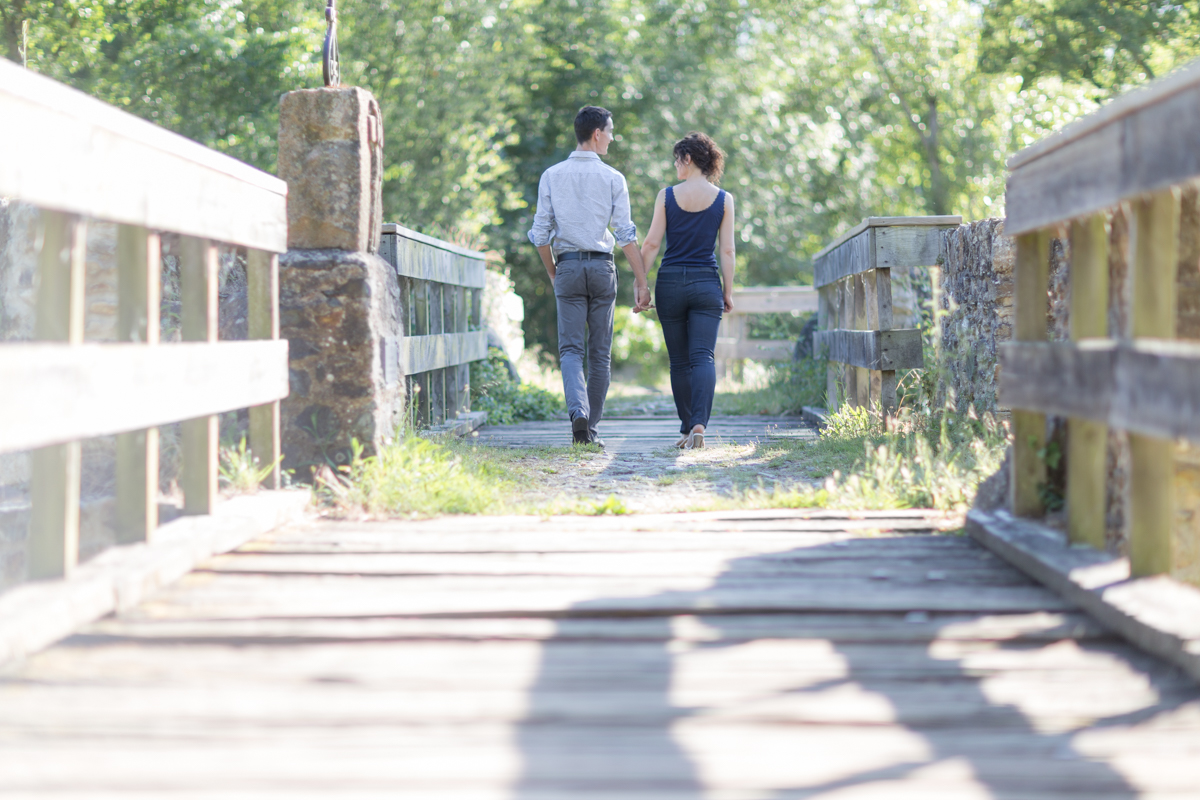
point(924, 462)
point(428, 477)
point(789, 386)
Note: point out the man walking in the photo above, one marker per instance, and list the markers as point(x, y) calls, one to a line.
point(578, 200)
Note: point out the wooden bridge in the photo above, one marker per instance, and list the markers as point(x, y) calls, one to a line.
point(245, 650)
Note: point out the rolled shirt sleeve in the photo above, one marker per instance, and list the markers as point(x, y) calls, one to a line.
point(623, 227)
point(543, 220)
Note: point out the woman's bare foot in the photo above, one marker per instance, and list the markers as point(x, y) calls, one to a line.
point(696, 438)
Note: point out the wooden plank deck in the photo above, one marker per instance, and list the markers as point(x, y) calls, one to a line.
point(769, 654)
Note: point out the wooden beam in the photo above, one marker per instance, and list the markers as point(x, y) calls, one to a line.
point(895, 349)
point(262, 290)
point(435, 351)
point(139, 267)
point(1155, 249)
point(774, 299)
point(1029, 427)
point(55, 471)
point(109, 164)
point(1087, 440)
point(198, 269)
point(882, 242)
point(414, 255)
point(54, 393)
point(1143, 142)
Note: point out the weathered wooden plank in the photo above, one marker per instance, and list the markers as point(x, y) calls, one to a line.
point(421, 257)
point(262, 291)
point(774, 299)
point(58, 394)
point(139, 297)
point(200, 437)
point(1029, 427)
point(54, 481)
point(898, 241)
point(894, 349)
point(435, 351)
point(755, 349)
point(1087, 440)
point(1155, 249)
point(110, 165)
point(1142, 142)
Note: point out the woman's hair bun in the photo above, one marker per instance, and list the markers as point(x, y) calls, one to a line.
point(704, 153)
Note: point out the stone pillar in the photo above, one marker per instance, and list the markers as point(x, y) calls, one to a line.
point(339, 301)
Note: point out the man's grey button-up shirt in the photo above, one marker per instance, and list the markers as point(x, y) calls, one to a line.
point(578, 199)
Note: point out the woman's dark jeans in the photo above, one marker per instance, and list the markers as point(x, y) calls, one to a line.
point(690, 303)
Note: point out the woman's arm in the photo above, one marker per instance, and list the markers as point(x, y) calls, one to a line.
point(652, 243)
point(727, 251)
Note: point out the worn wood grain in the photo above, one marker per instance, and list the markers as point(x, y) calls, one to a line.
point(54, 481)
point(660, 679)
point(894, 349)
point(436, 351)
point(262, 319)
point(59, 393)
point(1029, 325)
point(857, 249)
point(110, 165)
point(1140, 143)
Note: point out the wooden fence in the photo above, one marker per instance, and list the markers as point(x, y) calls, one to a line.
point(76, 158)
point(733, 342)
point(854, 278)
point(441, 289)
point(1137, 150)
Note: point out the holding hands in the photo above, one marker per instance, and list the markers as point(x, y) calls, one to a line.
point(641, 298)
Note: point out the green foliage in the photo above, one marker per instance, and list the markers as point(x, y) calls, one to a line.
point(493, 390)
point(240, 471)
point(789, 386)
point(779, 326)
point(638, 345)
point(419, 476)
point(850, 422)
point(1109, 45)
point(927, 462)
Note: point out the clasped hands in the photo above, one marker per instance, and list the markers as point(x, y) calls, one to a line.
point(642, 301)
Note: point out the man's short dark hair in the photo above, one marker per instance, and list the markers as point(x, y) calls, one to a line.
point(589, 120)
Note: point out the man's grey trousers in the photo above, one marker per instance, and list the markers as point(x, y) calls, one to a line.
point(586, 291)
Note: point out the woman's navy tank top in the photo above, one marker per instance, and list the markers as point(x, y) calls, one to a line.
point(692, 235)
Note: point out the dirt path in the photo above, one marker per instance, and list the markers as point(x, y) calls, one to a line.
point(644, 472)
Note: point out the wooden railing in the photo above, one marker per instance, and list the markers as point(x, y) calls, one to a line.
point(733, 342)
point(441, 288)
point(1138, 150)
point(76, 159)
point(854, 278)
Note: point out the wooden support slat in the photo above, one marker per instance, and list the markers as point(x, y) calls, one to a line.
point(109, 164)
point(1029, 427)
point(198, 323)
point(139, 269)
point(55, 470)
point(1152, 481)
point(894, 349)
point(1087, 440)
point(59, 393)
point(862, 383)
point(262, 279)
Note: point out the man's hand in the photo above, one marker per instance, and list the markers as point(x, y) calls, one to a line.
point(547, 255)
point(642, 301)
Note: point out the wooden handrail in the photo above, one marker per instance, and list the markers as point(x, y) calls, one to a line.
point(1145, 141)
point(854, 277)
point(69, 152)
point(1139, 149)
point(76, 158)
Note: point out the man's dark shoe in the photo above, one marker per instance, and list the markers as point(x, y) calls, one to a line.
point(579, 430)
point(598, 442)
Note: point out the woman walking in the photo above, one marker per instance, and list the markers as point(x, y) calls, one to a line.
point(694, 214)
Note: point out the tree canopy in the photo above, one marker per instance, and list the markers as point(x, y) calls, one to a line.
point(829, 110)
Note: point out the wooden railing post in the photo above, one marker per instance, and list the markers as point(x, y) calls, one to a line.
point(1029, 427)
point(139, 270)
point(1087, 440)
point(198, 323)
point(262, 290)
point(55, 470)
point(1152, 482)
point(879, 300)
